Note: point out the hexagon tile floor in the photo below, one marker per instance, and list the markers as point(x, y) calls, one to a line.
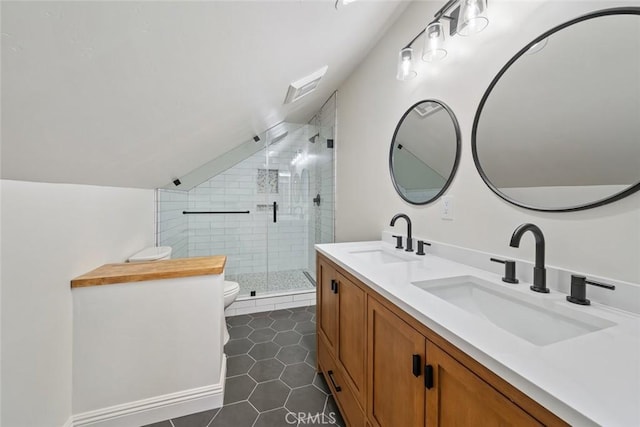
point(271, 375)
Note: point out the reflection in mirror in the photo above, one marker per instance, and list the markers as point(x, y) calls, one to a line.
point(559, 127)
point(424, 152)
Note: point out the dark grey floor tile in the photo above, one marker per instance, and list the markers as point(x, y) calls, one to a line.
point(298, 375)
point(331, 409)
point(241, 331)
point(238, 388)
point(239, 320)
point(262, 335)
point(239, 415)
point(280, 314)
point(238, 365)
point(301, 316)
point(312, 359)
point(320, 383)
point(265, 370)
point(283, 325)
point(305, 327)
point(265, 350)
point(261, 322)
point(287, 338)
point(311, 309)
point(201, 419)
point(277, 418)
point(236, 347)
point(160, 424)
point(292, 354)
point(313, 319)
point(260, 314)
point(269, 395)
point(297, 309)
point(309, 342)
point(306, 399)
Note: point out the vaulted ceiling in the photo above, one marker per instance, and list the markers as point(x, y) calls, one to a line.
point(133, 94)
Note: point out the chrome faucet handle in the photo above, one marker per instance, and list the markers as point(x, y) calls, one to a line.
point(579, 289)
point(509, 270)
point(421, 245)
point(398, 241)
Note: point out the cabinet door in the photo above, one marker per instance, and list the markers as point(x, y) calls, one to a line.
point(460, 398)
point(395, 392)
point(351, 333)
point(327, 304)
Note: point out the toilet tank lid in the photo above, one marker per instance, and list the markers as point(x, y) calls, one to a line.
point(151, 254)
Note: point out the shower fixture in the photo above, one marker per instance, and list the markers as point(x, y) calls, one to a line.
point(314, 138)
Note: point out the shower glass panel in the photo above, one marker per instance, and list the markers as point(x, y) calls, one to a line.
point(259, 210)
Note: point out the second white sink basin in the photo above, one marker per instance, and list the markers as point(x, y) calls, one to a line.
point(380, 256)
point(540, 323)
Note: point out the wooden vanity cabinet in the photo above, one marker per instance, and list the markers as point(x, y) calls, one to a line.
point(396, 386)
point(341, 324)
point(412, 376)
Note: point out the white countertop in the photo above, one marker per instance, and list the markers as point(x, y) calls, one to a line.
point(592, 379)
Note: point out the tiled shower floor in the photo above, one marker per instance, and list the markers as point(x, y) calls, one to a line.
point(271, 375)
point(276, 281)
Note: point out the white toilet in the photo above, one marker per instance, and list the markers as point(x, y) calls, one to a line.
point(231, 291)
point(155, 253)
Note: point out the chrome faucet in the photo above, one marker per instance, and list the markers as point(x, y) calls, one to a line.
point(539, 272)
point(409, 238)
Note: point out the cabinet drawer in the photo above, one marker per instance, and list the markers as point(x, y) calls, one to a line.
point(344, 396)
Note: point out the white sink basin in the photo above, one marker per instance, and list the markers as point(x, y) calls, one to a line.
point(380, 256)
point(539, 322)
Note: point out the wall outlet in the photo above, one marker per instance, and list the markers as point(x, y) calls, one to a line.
point(447, 208)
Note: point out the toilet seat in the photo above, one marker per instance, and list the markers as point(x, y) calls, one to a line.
point(230, 287)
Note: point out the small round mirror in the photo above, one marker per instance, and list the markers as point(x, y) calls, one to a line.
point(425, 151)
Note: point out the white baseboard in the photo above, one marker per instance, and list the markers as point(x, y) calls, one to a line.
point(155, 409)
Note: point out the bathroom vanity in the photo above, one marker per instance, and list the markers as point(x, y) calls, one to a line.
point(412, 341)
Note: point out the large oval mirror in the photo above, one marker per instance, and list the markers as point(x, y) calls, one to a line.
point(559, 127)
point(425, 150)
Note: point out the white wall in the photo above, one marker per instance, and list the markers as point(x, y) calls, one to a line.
point(604, 241)
point(156, 339)
point(50, 234)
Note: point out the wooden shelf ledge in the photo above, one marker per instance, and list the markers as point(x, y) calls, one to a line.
point(109, 274)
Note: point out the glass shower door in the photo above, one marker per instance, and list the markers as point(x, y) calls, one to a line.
point(291, 231)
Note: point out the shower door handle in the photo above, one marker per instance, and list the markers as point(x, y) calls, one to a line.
point(275, 210)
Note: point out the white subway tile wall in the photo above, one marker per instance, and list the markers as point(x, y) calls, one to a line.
point(172, 224)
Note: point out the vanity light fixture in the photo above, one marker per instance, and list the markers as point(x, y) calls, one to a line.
point(405, 64)
point(473, 17)
point(433, 42)
point(467, 17)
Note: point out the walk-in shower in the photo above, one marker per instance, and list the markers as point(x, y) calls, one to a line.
point(263, 205)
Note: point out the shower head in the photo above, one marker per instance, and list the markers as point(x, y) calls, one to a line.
point(314, 138)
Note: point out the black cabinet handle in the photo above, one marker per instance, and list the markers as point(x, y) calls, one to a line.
point(334, 286)
point(275, 209)
point(336, 386)
point(428, 376)
point(416, 365)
